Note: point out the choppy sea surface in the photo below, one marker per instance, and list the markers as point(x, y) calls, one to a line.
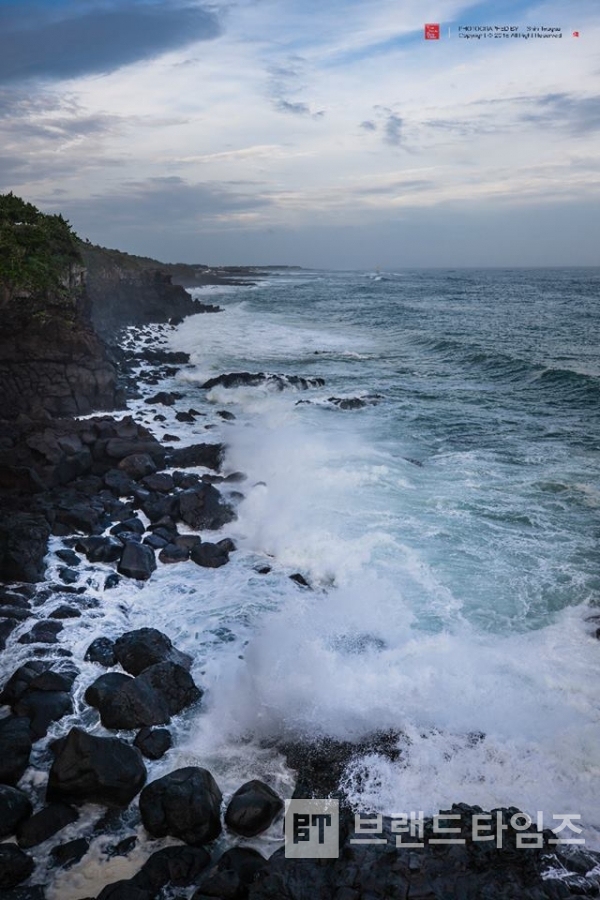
point(448, 528)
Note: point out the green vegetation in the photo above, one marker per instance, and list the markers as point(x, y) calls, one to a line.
point(37, 252)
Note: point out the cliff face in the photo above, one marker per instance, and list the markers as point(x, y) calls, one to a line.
point(54, 367)
point(130, 290)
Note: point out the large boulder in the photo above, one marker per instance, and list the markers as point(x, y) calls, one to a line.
point(232, 875)
point(153, 743)
point(101, 651)
point(90, 769)
point(15, 866)
point(23, 546)
point(45, 823)
point(185, 804)
point(160, 691)
point(252, 809)
point(138, 561)
point(15, 748)
point(136, 650)
point(209, 556)
point(14, 809)
point(177, 866)
point(203, 507)
point(209, 455)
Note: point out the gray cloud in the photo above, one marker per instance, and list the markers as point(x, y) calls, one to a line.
point(64, 40)
point(579, 115)
point(161, 203)
point(368, 125)
point(393, 130)
point(285, 83)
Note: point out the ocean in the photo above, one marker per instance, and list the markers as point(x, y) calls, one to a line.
point(440, 495)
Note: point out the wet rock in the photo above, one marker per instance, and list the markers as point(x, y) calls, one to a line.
point(23, 546)
point(173, 553)
point(105, 687)
point(45, 823)
point(14, 809)
point(185, 480)
point(65, 612)
point(68, 557)
point(299, 579)
point(138, 561)
point(121, 448)
point(44, 632)
point(175, 866)
point(155, 541)
point(170, 437)
point(69, 576)
point(102, 651)
point(66, 855)
point(226, 415)
point(185, 417)
point(7, 626)
point(125, 702)
point(232, 876)
point(158, 506)
point(100, 549)
point(42, 708)
point(129, 525)
point(188, 541)
point(209, 455)
point(111, 581)
point(153, 743)
point(36, 675)
point(119, 482)
point(174, 683)
point(136, 650)
point(138, 465)
point(161, 482)
point(252, 809)
point(203, 507)
point(165, 398)
point(250, 379)
point(124, 890)
point(90, 769)
point(184, 804)
point(210, 556)
point(15, 866)
point(263, 570)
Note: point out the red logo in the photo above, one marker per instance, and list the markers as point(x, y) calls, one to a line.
point(575, 34)
point(432, 32)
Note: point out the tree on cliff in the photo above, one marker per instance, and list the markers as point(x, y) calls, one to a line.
point(37, 254)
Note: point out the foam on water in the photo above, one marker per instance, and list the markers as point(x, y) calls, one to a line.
point(447, 601)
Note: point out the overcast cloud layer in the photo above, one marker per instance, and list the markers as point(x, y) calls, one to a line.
point(274, 131)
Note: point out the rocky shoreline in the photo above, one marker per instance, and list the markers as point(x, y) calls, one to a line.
point(108, 493)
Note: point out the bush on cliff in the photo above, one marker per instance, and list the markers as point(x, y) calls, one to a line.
point(38, 255)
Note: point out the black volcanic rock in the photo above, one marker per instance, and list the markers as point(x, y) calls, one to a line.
point(15, 807)
point(233, 874)
point(136, 650)
point(23, 545)
point(15, 866)
point(253, 379)
point(184, 804)
point(209, 455)
point(252, 809)
point(45, 823)
point(202, 506)
point(15, 748)
point(90, 769)
point(138, 561)
point(177, 866)
point(102, 651)
point(153, 743)
point(209, 556)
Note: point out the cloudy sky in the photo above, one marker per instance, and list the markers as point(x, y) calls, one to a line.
point(308, 132)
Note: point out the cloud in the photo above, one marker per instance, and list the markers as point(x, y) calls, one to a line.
point(393, 130)
point(578, 115)
point(163, 203)
point(65, 40)
point(284, 84)
point(368, 125)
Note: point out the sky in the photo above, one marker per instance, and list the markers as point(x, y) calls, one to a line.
point(324, 134)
